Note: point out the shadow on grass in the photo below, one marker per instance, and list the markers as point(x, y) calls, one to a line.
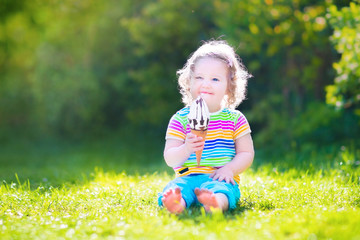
point(51, 162)
point(197, 213)
point(311, 158)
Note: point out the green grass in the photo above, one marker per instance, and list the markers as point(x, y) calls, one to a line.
point(108, 190)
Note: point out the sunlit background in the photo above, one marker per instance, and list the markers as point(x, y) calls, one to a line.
point(87, 88)
point(85, 71)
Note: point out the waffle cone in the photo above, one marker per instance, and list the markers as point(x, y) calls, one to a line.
point(199, 133)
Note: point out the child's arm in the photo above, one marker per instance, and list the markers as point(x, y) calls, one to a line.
point(176, 152)
point(243, 159)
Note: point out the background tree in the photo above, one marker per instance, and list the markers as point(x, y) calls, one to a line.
point(286, 46)
point(75, 69)
point(345, 92)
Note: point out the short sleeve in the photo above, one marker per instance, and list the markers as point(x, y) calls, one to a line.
point(242, 127)
point(176, 129)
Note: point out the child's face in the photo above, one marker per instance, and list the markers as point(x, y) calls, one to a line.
point(210, 80)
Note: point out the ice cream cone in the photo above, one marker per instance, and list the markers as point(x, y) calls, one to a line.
point(199, 133)
point(199, 118)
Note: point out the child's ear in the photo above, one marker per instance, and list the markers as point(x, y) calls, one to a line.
point(228, 86)
point(228, 89)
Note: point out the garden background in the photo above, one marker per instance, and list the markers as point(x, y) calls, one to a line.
point(87, 89)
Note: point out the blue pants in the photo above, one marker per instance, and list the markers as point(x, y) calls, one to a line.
point(187, 185)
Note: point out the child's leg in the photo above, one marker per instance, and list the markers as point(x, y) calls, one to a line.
point(212, 201)
point(173, 201)
point(178, 194)
point(218, 195)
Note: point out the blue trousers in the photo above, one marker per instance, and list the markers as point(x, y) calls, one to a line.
point(187, 185)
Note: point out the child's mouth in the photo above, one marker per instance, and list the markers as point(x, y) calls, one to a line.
point(203, 93)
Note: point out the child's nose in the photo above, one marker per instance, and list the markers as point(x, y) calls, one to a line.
point(206, 83)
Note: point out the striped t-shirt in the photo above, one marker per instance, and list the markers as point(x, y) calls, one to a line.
point(224, 128)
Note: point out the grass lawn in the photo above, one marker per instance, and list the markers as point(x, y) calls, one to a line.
point(108, 190)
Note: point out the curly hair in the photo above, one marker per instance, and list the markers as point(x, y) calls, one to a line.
point(238, 75)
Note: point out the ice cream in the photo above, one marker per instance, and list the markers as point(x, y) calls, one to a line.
point(199, 117)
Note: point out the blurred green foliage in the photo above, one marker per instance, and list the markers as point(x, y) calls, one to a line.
point(79, 68)
point(345, 92)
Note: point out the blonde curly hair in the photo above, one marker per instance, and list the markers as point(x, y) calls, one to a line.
point(238, 74)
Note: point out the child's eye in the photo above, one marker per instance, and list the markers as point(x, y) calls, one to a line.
point(198, 78)
point(216, 79)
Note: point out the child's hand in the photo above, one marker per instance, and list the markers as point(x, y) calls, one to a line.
point(223, 173)
point(193, 143)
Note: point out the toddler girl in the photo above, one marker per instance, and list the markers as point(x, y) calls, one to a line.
point(215, 73)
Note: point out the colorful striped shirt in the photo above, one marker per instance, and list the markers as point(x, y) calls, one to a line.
point(224, 128)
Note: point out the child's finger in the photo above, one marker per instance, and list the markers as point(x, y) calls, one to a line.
point(200, 143)
point(197, 149)
point(229, 180)
point(197, 144)
point(194, 139)
point(215, 177)
point(221, 178)
point(190, 136)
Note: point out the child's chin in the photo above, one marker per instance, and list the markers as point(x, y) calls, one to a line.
point(207, 98)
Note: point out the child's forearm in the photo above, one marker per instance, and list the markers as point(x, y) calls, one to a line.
point(177, 152)
point(241, 162)
point(176, 156)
